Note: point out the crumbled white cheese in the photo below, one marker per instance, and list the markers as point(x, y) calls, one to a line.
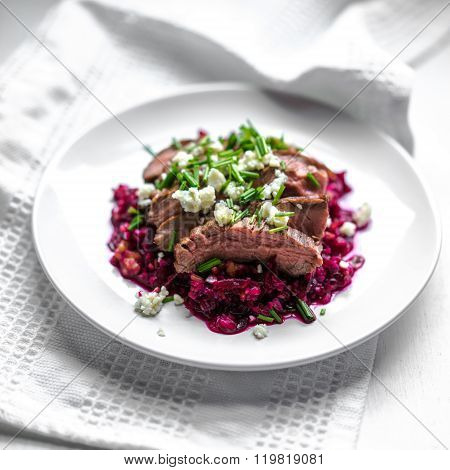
point(348, 229)
point(223, 214)
point(163, 176)
point(149, 304)
point(260, 332)
point(234, 191)
point(207, 198)
point(182, 158)
point(269, 212)
point(145, 190)
point(362, 215)
point(161, 332)
point(216, 145)
point(329, 222)
point(160, 255)
point(271, 189)
point(194, 200)
point(259, 269)
point(216, 179)
point(178, 300)
point(144, 202)
point(343, 264)
point(272, 160)
point(250, 161)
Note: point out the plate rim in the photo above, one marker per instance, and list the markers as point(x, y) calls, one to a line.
point(183, 90)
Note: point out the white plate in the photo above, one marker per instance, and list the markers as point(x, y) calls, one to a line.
point(73, 203)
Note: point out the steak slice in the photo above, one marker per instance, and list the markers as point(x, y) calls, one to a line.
point(163, 207)
point(294, 252)
point(311, 214)
point(297, 168)
point(161, 162)
point(182, 223)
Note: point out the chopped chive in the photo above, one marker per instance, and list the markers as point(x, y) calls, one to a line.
point(208, 265)
point(248, 145)
point(236, 174)
point(300, 149)
point(278, 195)
point(284, 214)
point(313, 180)
point(232, 140)
point(167, 299)
point(148, 149)
point(169, 179)
point(277, 143)
point(259, 216)
point(135, 222)
point(305, 311)
point(252, 129)
point(196, 173)
point(323, 311)
point(261, 146)
point(173, 237)
point(196, 163)
point(229, 203)
point(183, 186)
point(132, 210)
point(278, 229)
point(275, 315)
point(249, 174)
point(265, 318)
point(176, 143)
point(240, 215)
point(229, 153)
point(191, 181)
point(206, 174)
point(222, 163)
point(282, 164)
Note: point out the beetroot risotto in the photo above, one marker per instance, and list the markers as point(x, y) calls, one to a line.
point(245, 231)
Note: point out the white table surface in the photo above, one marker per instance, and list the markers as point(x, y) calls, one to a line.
point(413, 357)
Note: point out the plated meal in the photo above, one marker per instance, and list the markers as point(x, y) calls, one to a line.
point(244, 230)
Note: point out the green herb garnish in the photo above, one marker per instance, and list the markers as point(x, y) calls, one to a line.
point(284, 214)
point(261, 146)
point(167, 299)
point(275, 315)
point(265, 318)
point(305, 311)
point(173, 237)
point(323, 311)
point(136, 221)
point(249, 174)
point(236, 174)
point(278, 195)
point(190, 180)
point(313, 180)
point(278, 229)
point(208, 265)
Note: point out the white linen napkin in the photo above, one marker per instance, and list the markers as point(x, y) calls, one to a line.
point(128, 52)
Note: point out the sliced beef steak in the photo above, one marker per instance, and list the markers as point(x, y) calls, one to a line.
point(311, 214)
point(161, 162)
point(163, 207)
point(294, 252)
point(297, 168)
point(181, 223)
point(167, 215)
